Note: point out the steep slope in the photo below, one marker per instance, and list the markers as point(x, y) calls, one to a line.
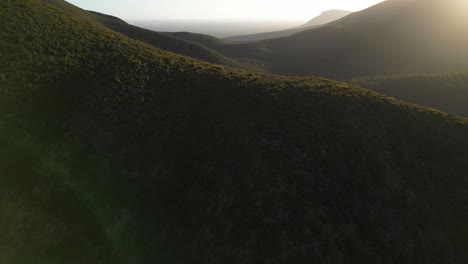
point(178, 161)
point(448, 93)
point(324, 18)
point(394, 37)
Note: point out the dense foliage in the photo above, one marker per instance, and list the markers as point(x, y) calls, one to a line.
point(116, 152)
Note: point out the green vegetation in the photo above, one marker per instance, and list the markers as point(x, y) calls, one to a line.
point(448, 93)
point(116, 152)
point(156, 39)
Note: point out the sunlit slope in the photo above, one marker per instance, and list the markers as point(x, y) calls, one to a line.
point(178, 161)
point(445, 92)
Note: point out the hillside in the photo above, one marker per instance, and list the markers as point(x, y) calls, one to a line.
point(156, 39)
point(244, 53)
point(448, 93)
point(394, 37)
point(324, 18)
point(116, 152)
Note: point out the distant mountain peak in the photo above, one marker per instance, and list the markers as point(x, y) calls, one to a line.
point(334, 11)
point(327, 17)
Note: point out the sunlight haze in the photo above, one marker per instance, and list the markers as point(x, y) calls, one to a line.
point(293, 10)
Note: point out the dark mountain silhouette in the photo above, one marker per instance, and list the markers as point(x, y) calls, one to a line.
point(394, 37)
point(113, 151)
point(324, 18)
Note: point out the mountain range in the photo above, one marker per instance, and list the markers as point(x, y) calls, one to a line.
point(432, 33)
point(116, 149)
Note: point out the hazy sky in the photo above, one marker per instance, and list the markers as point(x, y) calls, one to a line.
point(221, 9)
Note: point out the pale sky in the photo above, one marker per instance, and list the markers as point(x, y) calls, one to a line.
point(280, 10)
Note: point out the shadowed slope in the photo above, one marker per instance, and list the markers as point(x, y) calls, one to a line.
point(445, 92)
point(394, 37)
